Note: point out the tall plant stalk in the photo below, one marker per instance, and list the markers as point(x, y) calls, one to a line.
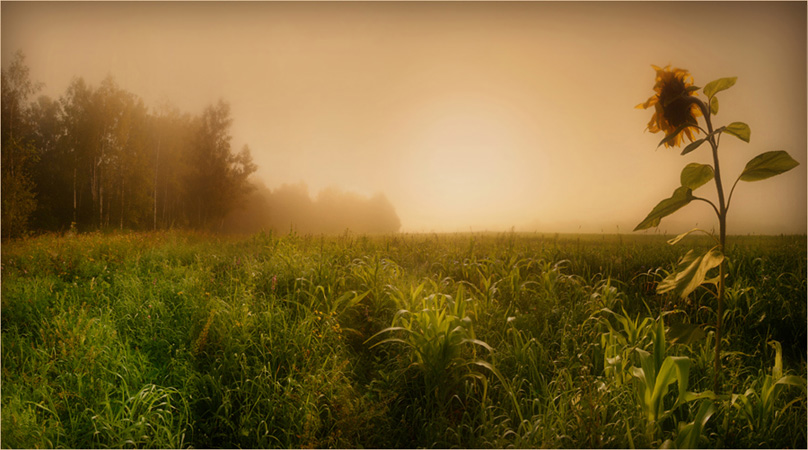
point(722, 241)
point(677, 107)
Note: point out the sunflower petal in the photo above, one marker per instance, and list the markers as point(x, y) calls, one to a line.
point(648, 103)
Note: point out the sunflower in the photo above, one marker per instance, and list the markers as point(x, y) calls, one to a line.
point(674, 105)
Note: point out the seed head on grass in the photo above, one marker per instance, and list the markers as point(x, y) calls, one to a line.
point(202, 340)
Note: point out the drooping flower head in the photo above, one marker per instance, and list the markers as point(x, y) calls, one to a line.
point(672, 106)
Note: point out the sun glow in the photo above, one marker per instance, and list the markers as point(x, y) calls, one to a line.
point(466, 162)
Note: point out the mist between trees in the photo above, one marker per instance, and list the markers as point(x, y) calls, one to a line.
point(290, 208)
point(98, 158)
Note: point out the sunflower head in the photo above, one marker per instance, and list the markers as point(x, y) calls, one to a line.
point(673, 104)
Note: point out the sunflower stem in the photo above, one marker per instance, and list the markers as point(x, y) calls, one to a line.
point(722, 237)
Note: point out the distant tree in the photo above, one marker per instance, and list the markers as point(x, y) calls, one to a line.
point(218, 178)
point(76, 145)
point(241, 167)
point(52, 174)
point(124, 192)
point(338, 210)
point(291, 208)
point(171, 142)
point(253, 215)
point(18, 150)
point(108, 131)
point(384, 217)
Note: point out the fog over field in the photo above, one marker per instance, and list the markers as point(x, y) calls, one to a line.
point(452, 116)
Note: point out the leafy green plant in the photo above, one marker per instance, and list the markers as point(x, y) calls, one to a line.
point(619, 342)
point(689, 433)
point(605, 295)
point(149, 418)
point(436, 336)
point(529, 357)
point(654, 381)
point(655, 374)
point(676, 108)
point(759, 404)
point(623, 349)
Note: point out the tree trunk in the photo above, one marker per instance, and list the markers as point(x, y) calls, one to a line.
point(165, 204)
point(100, 203)
point(75, 204)
point(156, 166)
point(94, 191)
point(122, 204)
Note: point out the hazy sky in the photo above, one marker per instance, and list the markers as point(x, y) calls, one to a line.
point(465, 115)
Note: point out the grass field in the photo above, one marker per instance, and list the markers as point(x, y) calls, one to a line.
point(470, 340)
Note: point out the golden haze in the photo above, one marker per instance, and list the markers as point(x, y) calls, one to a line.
point(467, 116)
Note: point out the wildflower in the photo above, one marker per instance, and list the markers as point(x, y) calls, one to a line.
point(674, 107)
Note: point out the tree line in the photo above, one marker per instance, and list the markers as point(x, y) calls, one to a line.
point(97, 158)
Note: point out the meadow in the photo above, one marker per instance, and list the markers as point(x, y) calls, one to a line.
point(179, 339)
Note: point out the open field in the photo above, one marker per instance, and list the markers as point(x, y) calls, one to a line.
point(471, 340)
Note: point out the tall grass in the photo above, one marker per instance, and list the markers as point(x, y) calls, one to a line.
point(473, 340)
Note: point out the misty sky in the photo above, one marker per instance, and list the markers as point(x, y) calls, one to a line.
point(467, 116)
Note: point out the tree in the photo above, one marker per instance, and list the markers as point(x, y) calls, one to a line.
point(51, 173)
point(76, 144)
point(171, 133)
point(98, 157)
point(18, 151)
point(241, 167)
point(218, 178)
point(123, 165)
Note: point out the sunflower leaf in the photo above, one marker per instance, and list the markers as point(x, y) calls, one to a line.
point(692, 146)
point(683, 235)
point(739, 130)
point(692, 88)
point(714, 105)
point(691, 272)
point(681, 197)
point(767, 165)
point(695, 175)
point(718, 85)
